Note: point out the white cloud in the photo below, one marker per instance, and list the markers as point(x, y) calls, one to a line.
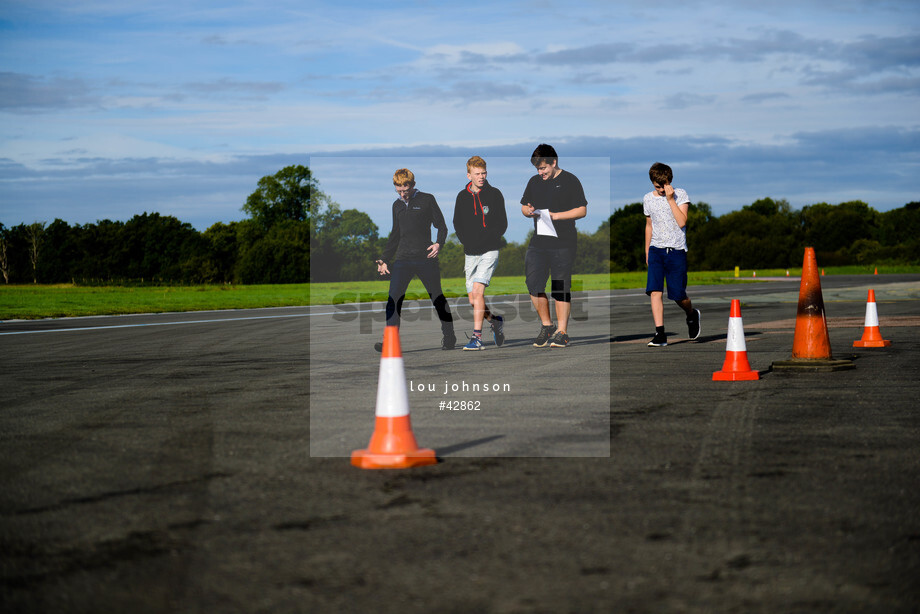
point(112, 87)
point(460, 53)
point(29, 94)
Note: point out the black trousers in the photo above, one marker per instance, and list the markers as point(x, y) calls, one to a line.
point(428, 271)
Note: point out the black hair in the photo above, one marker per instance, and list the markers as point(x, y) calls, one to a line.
point(543, 154)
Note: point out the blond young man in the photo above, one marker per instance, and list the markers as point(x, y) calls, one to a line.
point(480, 221)
point(409, 252)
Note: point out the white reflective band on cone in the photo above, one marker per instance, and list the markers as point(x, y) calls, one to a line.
point(735, 341)
point(392, 391)
point(871, 314)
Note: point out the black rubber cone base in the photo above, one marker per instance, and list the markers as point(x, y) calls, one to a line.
point(813, 365)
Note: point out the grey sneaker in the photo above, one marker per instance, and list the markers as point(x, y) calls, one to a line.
point(546, 332)
point(561, 340)
point(498, 330)
point(693, 324)
point(659, 340)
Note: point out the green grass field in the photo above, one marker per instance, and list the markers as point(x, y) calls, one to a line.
point(67, 300)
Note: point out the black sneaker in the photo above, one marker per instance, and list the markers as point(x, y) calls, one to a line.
point(693, 325)
point(448, 342)
point(561, 340)
point(543, 338)
point(659, 340)
point(498, 330)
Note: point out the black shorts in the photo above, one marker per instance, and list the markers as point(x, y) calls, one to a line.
point(556, 263)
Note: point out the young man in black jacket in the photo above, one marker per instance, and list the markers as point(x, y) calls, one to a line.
point(480, 221)
point(410, 252)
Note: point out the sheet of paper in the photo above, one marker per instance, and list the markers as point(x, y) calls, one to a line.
point(545, 223)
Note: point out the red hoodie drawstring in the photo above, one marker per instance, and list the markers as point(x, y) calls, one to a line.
point(475, 198)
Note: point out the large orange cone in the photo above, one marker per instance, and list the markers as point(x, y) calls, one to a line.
point(736, 367)
point(811, 340)
point(872, 336)
point(392, 445)
point(811, 346)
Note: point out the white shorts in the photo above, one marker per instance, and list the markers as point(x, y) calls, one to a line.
point(480, 268)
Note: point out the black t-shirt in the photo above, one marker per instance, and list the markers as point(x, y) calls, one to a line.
point(560, 193)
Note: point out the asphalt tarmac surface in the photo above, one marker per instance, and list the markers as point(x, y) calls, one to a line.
point(198, 463)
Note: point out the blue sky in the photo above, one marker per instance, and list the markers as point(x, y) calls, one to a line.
point(108, 109)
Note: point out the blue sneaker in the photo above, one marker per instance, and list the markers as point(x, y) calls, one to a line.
point(474, 344)
point(498, 330)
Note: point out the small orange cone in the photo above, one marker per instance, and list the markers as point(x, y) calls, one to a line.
point(872, 336)
point(876, 270)
point(736, 366)
point(392, 445)
point(811, 345)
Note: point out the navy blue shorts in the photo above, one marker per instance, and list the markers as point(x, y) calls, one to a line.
point(540, 262)
point(667, 264)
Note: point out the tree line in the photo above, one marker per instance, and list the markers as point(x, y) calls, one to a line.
point(770, 234)
point(295, 233)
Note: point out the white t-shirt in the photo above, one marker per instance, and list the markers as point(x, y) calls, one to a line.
point(665, 231)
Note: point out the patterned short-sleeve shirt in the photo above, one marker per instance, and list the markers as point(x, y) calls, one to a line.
point(665, 231)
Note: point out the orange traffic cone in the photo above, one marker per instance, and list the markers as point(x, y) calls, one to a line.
point(736, 366)
point(392, 445)
point(876, 270)
point(872, 336)
point(811, 346)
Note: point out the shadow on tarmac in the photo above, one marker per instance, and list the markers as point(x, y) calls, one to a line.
point(451, 449)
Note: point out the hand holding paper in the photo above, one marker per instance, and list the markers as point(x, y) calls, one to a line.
point(545, 223)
